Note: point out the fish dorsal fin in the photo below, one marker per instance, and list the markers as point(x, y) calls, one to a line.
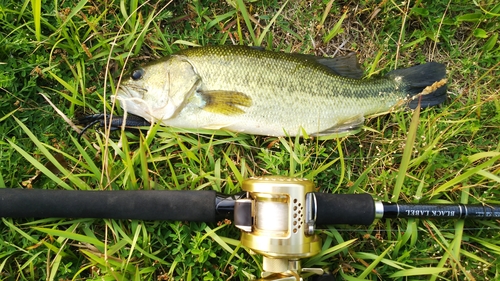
point(258, 48)
point(224, 102)
point(346, 66)
point(347, 127)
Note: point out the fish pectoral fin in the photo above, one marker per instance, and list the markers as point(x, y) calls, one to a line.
point(225, 102)
point(349, 126)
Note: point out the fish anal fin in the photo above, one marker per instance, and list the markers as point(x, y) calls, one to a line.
point(225, 102)
point(217, 126)
point(347, 127)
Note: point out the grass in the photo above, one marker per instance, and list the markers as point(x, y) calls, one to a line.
point(73, 52)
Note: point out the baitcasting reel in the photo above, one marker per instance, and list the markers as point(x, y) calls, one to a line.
point(277, 221)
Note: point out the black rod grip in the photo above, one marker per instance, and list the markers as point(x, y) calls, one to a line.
point(120, 204)
point(344, 209)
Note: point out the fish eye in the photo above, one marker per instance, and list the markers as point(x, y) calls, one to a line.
point(137, 74)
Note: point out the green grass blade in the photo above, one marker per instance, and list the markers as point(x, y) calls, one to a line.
point(75, 180)
point(36, 6)
point(39, 166)
point(405, 160)
point(133, 244)
point(89, 162)
point(342, 165)
point(389, 262)
point(246, 17)
point(268, 26)
point(323, 255)
point(465, 175)
point(494, 247)
point(375, 262)
point(76, 9)
point(482, 155)
point(212, 233)
point(55, 267)
point(337, 29)
point(71, 235)
point(234, 169)
point(418, 272)
point(16, 229)
point(143, 152)
point(66, 85)
point(129, 163)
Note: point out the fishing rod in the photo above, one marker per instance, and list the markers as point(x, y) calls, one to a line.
point(277, 215)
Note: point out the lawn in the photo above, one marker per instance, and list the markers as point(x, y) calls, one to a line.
point(72, 53)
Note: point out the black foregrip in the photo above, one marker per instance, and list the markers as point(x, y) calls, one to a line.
point(344, 209)
point(143, 205)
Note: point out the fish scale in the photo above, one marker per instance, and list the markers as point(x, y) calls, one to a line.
point(255, 91)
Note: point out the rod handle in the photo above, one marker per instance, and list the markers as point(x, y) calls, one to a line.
point(117, 204)
point(344, 209)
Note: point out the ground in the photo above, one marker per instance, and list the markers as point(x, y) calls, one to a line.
point(73, 53)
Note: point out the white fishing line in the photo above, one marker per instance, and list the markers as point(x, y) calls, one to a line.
point(271, 216)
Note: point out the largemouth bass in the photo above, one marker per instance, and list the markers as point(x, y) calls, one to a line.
point(250, 90)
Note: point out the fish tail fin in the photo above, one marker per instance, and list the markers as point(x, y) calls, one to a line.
point(425, 83)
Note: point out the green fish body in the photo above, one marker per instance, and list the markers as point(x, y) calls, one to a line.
point(244, 89)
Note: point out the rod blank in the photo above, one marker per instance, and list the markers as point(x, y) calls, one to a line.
point(445, 211)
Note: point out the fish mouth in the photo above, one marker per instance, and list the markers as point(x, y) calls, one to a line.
point(131, 100)
point(127, 91)
point(126, 94)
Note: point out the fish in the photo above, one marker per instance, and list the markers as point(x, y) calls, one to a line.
point(261, 92)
